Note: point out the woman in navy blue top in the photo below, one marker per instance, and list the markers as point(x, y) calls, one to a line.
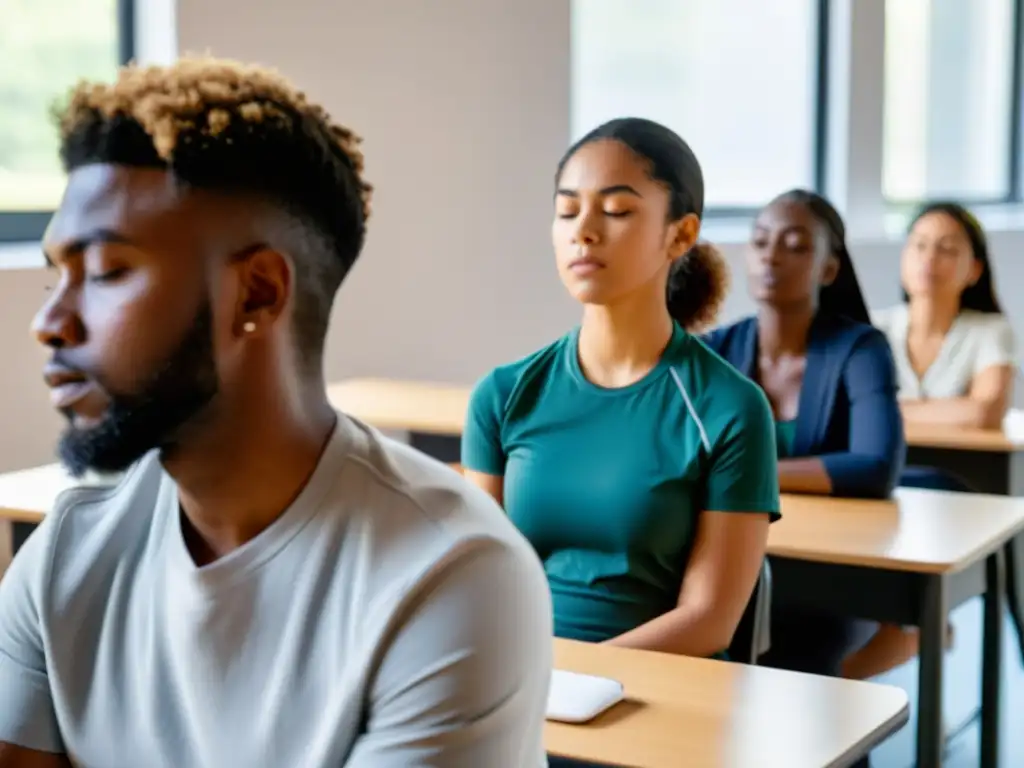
point(831, 381)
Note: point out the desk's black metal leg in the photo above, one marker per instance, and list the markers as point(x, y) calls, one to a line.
point(20, 532)
point(991, 659)
point(1013, 565)
point(446, 448)
point(1014, 580)
point(995, 472)
point(934, 613)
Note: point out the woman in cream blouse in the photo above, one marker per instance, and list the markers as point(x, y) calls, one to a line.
point(955, 359)
point(953, 347)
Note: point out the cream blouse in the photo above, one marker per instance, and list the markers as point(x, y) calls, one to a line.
point(976, 341)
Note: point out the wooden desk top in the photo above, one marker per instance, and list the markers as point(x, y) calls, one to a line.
point(701, 713)
point(441, 409)
point(959, 438)
point(403, 405)
point(27, 495)
point(919, 530)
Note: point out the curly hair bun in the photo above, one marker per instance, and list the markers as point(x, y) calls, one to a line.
point(697, 286)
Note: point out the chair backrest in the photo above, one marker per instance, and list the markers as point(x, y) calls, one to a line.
point(753, 635)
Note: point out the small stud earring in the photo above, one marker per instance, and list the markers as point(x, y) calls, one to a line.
point(249, 326)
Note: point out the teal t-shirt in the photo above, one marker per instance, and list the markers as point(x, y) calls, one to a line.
point(607, 484)
point(785, 435)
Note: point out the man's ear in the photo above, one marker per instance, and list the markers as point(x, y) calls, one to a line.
point(265, 282)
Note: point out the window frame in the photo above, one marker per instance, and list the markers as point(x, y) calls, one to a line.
point(821, 102)
point(826, 150)
point(27, 226)
point(1015, 166)
point(820, 42)
point(820, 35)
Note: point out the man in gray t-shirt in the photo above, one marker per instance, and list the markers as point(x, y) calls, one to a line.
point(271, 584)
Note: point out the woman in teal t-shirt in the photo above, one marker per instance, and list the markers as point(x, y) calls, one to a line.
point(640, 465)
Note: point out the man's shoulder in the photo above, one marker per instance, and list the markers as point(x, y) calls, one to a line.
point(95, 510)
point(446, 585)
point(422, 513)
point(88, 535)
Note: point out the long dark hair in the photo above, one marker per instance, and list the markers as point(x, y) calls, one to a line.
point(981, 297)
point(842, 297)
point(699, 280)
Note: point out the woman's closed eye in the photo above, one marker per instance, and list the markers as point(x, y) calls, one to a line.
point(797, 246)
point(615, 214)
point(108, 276)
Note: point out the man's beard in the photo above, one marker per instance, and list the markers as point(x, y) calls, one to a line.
point(153, 416)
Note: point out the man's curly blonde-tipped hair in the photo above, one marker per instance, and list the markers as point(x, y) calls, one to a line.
point(237, 129)
point(200, 98)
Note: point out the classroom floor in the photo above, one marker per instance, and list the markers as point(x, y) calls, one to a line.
point(962, 696)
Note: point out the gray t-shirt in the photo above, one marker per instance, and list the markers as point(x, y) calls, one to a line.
point(392, 616)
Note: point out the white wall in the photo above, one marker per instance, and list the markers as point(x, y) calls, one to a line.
point(27, 423)
point(464, 106)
